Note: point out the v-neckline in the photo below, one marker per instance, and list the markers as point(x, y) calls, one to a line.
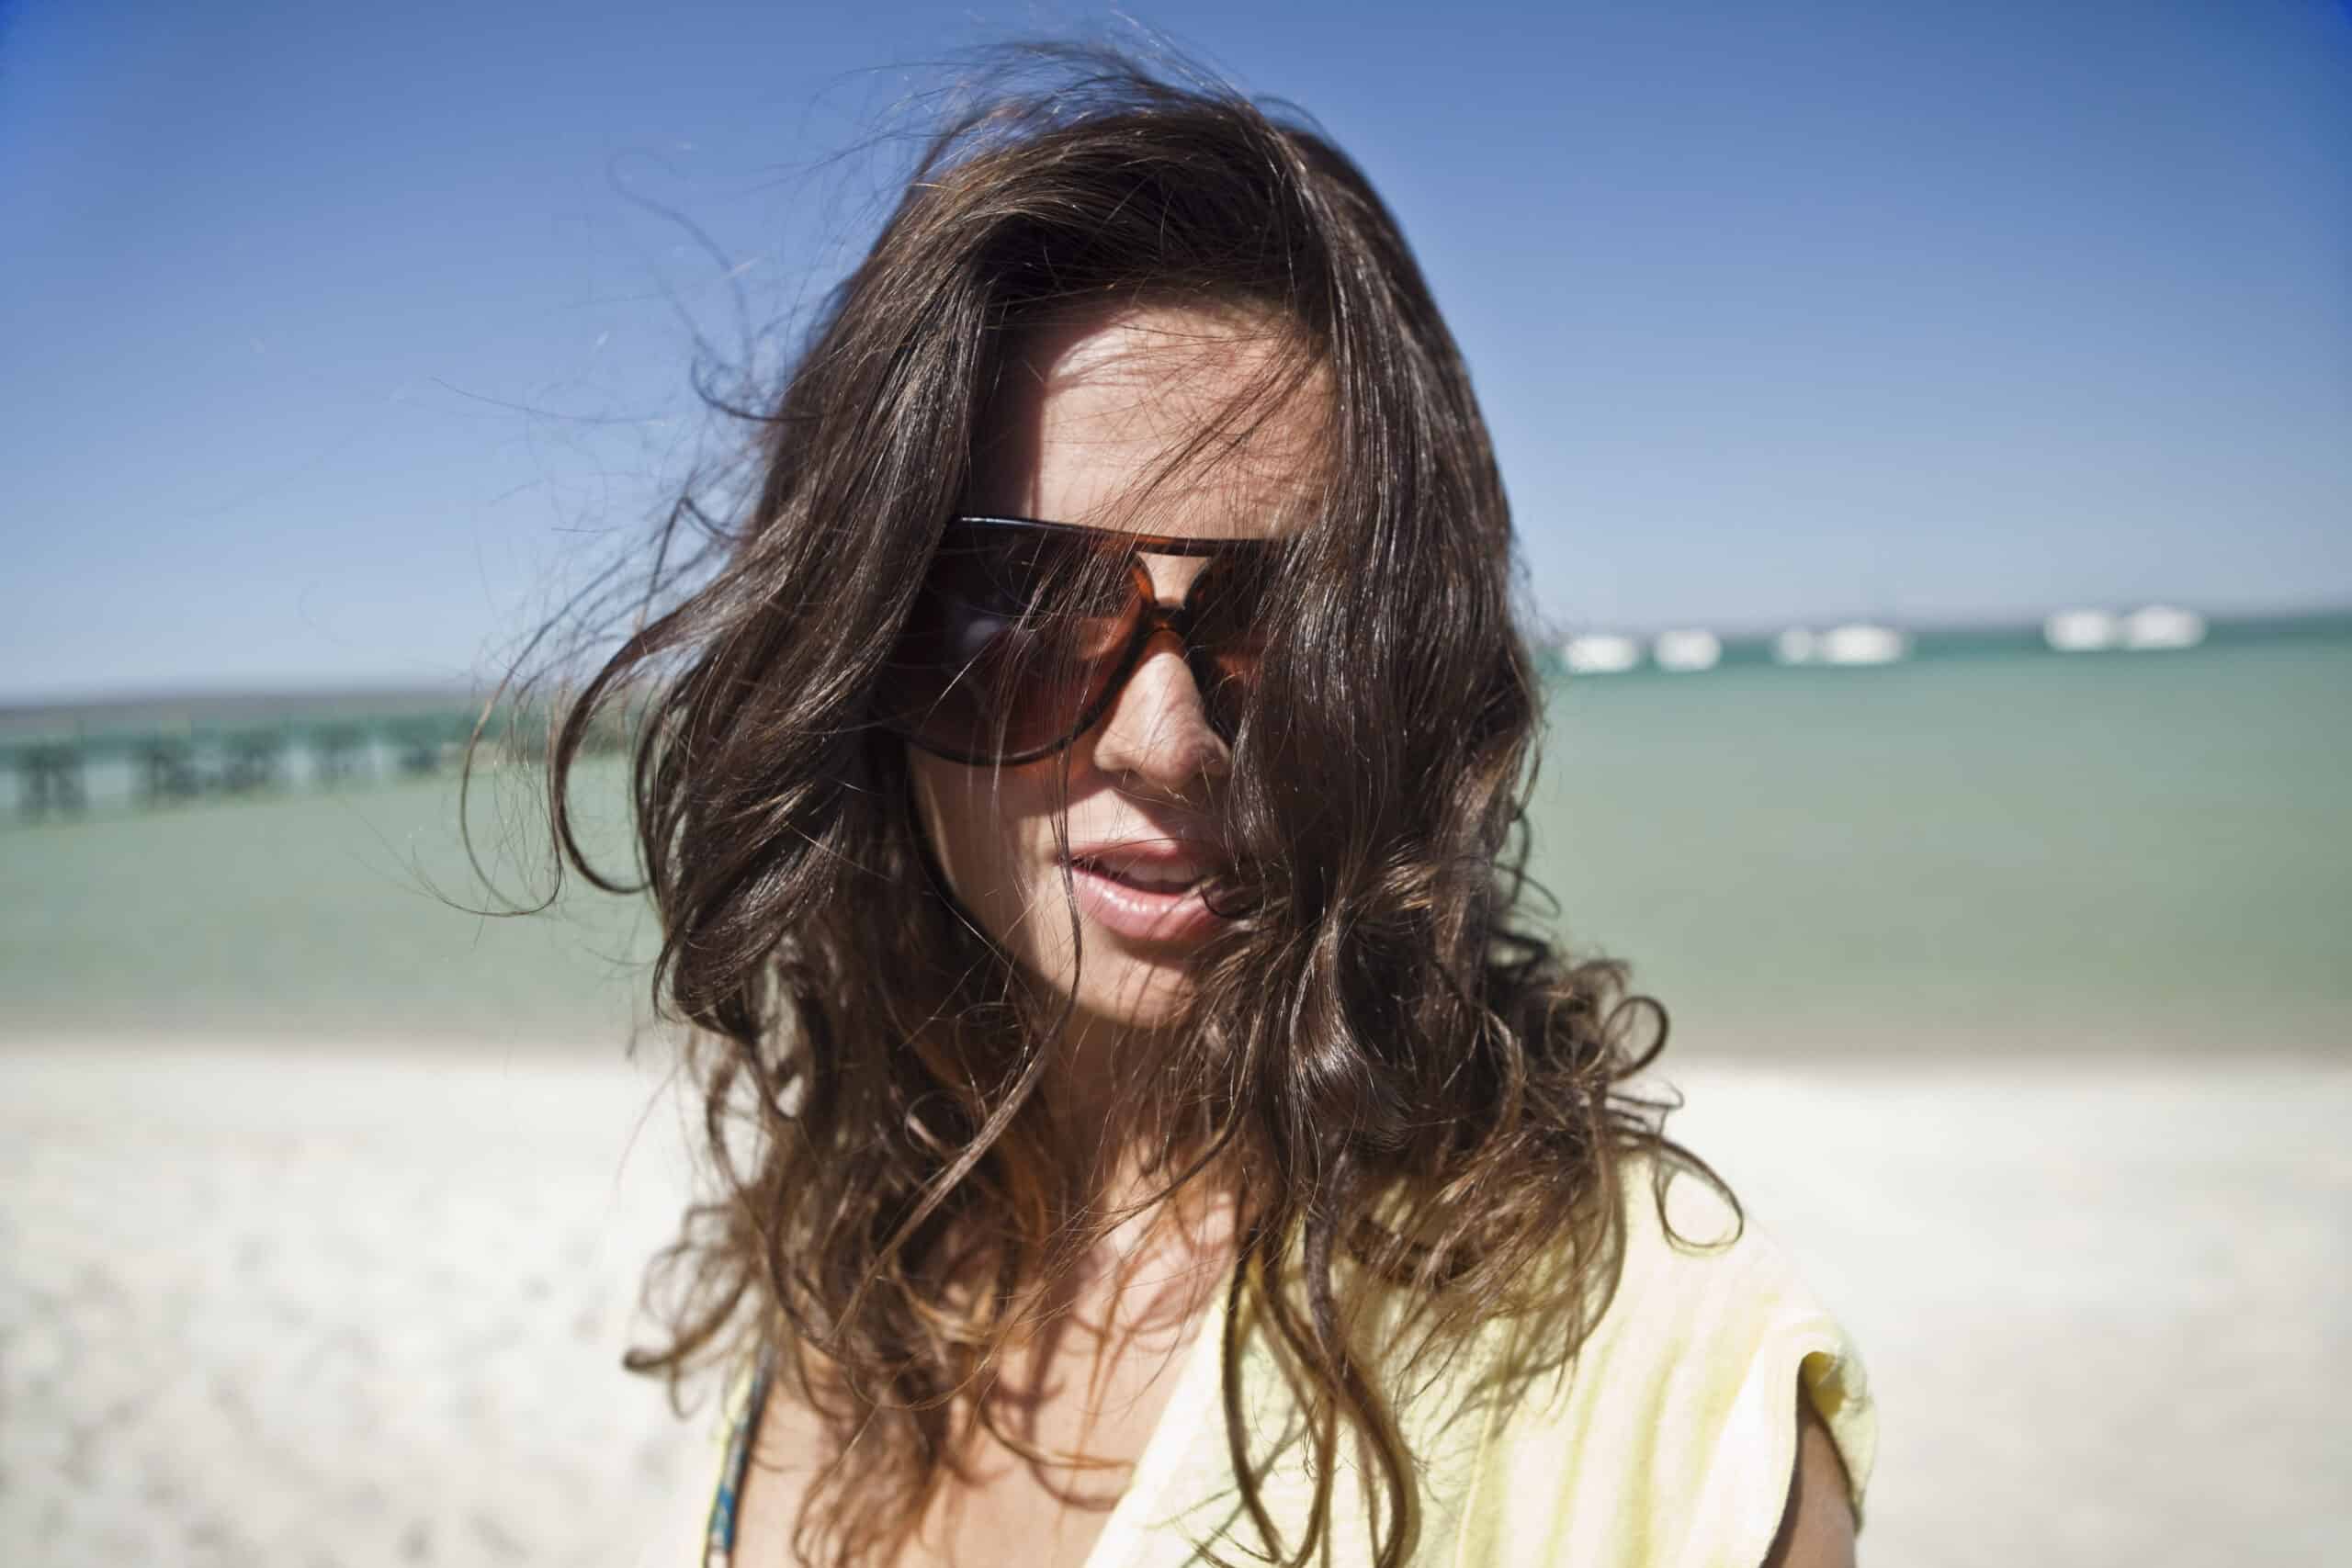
point(1189, 1403)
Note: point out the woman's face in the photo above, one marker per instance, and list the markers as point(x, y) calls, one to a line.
point(1090, 416)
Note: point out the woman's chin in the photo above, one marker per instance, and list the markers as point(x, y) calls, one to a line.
point(1118, 988)
point(1137, 994)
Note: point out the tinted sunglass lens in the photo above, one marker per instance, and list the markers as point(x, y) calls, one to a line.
point(1228, 634)
point(1015, 642)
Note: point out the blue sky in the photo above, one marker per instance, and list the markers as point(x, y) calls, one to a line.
point(338, 338)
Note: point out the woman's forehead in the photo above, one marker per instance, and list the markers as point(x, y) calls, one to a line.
point(1168, 420)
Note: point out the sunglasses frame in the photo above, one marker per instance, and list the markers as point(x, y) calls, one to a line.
point(1158, 615)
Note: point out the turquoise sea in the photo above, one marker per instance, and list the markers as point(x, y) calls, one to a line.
point(2006, 853)
point(2011, 852)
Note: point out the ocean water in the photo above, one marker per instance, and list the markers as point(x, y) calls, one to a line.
point(2009, 854)
point(324, 914)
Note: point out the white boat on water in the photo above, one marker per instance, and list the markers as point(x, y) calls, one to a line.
point(2161, 625)
point(1856, 643)
point(1860, 643)
point(2082, 631)
point(1693, 649)
point(1601, 654)
point(2147, 629)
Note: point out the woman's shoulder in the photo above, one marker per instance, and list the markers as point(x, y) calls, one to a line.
point(1673, 1431)
point(1700, 1266)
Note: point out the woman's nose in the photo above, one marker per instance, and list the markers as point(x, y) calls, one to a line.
point(1158, 729)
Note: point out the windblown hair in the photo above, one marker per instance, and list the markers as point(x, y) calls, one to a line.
point(1415, 1092)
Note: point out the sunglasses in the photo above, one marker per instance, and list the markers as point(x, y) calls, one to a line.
point(1024, 632)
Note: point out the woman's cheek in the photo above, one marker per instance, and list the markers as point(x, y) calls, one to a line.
point(981, 840)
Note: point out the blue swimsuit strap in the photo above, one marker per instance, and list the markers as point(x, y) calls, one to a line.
point(719, 1537)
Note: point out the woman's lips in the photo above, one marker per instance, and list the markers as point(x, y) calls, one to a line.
point(1141, 914)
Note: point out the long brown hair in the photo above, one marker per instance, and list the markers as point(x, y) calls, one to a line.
point(1424, 1094)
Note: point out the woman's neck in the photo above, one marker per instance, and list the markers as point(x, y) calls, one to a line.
point(1158, 1231)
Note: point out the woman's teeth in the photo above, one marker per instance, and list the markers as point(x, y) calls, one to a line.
point(1167, 877)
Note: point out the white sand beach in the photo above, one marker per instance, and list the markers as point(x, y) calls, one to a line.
point(365, 1307)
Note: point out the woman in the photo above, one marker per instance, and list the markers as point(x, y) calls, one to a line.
point(1079, 794)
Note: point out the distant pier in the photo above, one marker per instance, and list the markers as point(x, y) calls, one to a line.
point(58, 763)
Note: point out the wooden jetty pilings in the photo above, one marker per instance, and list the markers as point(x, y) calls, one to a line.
point(62, 763)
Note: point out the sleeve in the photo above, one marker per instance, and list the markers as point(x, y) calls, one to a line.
point(1673, 1436)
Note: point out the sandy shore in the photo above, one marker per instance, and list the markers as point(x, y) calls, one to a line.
point(2105, 1309)
point(259, 1308)
point(366, 1308)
